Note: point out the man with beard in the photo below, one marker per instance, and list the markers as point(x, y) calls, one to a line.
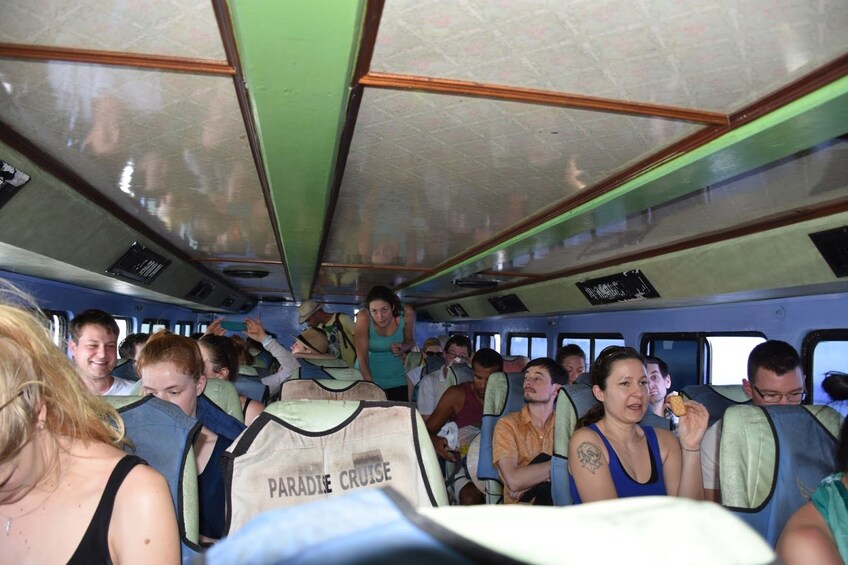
point(524, 440)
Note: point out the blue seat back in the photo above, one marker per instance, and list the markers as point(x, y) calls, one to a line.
point(573, 402)
point(162, 435)
point(504, 395)
point(716, 398)
point(252, 388)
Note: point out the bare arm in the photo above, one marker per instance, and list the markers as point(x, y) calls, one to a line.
point(144, 527)
point(807, 539)
point(682, 465)
point(590, 467)
point(516, 478)
point(408, 332)
point(361, 343)
point(254, 409)
point(450, 403)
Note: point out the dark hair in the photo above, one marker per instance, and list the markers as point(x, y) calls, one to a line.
point(488, 359)
point(127, 347)
point(244, 356)
point(569, 350)
point(557, 373)
point(601, 370)
point(835, 384)
point(93, 317)
point(662, 365)
point(773, 355)
point(385, 294)
point(222, 354)
point(461, 341)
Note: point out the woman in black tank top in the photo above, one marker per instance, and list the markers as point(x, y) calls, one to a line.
point(69, 493)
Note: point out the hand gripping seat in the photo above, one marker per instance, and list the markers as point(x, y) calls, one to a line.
point(298, 451)
point(771, 460)
point(504, 395)
point(573, 401)
point(162, 435)
point(309, 389)
point(716, 398)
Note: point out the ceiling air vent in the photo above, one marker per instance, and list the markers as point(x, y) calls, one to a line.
point(508, 304)
point(11, 181)
point(139, 264)
point(229, 301)
point(833, 246)
point(456, 311)
point(200, 291)
point(473, 282)
point(246, 273)
point(623, 287)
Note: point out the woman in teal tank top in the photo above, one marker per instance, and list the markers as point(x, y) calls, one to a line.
point(384, 331)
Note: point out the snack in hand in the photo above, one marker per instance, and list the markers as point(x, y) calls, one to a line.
point(675, 402)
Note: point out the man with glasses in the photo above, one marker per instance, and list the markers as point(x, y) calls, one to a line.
point(457, 351)
point(774, 378)
point(432, 348)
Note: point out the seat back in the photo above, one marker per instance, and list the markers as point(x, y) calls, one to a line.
point(514, 363)
point(253, 388)
point(125, 369)
point(413, 359)
point(716, 398)
point(504, 395)
point(298, 451)
point(771, 460)
point(344, 373)
point(309, 389)
point(161, 434)
point(459, 373)
point(225, 395)
point(573, 402)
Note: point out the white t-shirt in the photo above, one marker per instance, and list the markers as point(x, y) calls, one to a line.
point(430, 390)
point(709, 456)
point(120, 387)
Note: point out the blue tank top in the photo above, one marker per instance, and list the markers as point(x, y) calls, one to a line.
point(625, 485)
point(386, 367)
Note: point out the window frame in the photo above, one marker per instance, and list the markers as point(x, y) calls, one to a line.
point(591, 355)
point(490, 335)
point(184, 323)
point(150, 322)
point(808, 347)
point(529, 336)
point(64, 326)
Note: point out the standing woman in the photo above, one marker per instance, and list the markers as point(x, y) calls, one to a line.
point(614, 456)
point(384, 331)
point(171, 369)
point(68, 493)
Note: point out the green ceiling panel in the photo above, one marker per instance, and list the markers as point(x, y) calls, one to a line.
point(298, 58)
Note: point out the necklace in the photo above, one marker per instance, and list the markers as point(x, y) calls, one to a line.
point(8, 526)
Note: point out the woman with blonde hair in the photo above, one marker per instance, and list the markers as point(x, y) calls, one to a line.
point(68, 493)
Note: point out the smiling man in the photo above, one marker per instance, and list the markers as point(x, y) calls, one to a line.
point(524, 441)
point(774, 378)
point(94, 345)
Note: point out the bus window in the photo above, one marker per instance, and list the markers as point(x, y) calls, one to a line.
point(58, 326)
point(822, 352)
point(183, 328)
point(529, 345)
point(125, 328)
point(682, 354)
point(487, 339)
point(591, 344)
point(728, 358)
point(202, 327)
point(151, 326)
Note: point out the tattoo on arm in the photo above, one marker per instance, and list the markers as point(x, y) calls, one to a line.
point(589, 456)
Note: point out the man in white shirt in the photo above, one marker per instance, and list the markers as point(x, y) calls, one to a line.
point(457, 350)
point(94, 345)
point(774, 378)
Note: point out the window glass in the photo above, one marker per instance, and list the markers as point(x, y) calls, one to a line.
point(124, 328)
point(58, 327)
point(150, 326)
point(591, 345)
point(728, 362)
point(490, 340)
point(202, 327)
point(519, 345)
point(828, 355)
point(680, 354)
point(600, 344)
point(183, 328)
point(538, 347)
point(529, 345)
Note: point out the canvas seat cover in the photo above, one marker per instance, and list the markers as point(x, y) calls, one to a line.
point(716, 398)
point(308, 389)
point(162, 435)
point(504, 394)
point(573, 402)
point(771, 460)
point(298, 451)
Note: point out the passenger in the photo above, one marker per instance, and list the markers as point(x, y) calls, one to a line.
point(572, 358)
point(659, 381)
point(338, 327)
point(462, 404)
point(220, 361)
point(94, 345)
point(818, 531)
point(171, 369)
point(68, 493)
point(432, 348)
point(774, 378)
point(611, 455)
point(457, 350)
point(312, 343)
point(128, 350)
point(523, 441)
point(384, 330)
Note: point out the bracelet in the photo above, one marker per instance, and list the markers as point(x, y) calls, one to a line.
point(691, 450)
